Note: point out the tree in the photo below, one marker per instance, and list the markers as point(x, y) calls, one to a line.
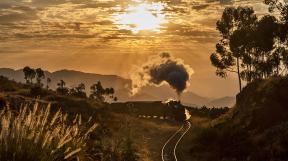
point(284, 55)
point(227, 57)
point(99, 93)
point(266, 61)
point(255, 44)
point(81, 87)
point(61, 88)
point(240, 43)
point(26, 71)
point(78, 91)
point(48, 81)
point(39, 75)
point(281, 6)
point(282, 34)
point(252, 48)
point(29, 74)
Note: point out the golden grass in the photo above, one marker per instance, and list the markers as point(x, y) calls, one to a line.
point(35, 134)
point(149, 135)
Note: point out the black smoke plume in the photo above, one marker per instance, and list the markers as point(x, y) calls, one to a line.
point(162, 69)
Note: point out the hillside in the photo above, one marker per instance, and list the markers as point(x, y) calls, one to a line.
point(263, 104)
point(121, 86)
point(256, 129)
point(132, 134)
point(71, 77)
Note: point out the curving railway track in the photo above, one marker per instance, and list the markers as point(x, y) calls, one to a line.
point(169, 149)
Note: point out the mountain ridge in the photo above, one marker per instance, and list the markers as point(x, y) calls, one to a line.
point(121, 85)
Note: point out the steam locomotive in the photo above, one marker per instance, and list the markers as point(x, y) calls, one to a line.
point(172, 110)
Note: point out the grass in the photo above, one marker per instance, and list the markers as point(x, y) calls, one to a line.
point(149, 135)
point(36, 134)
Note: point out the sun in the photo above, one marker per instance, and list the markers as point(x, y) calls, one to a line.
point(143, 17)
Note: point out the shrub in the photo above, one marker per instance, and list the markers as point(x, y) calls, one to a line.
point(35, 134)
point(7, 85)
point(129, 153)
point(38, 91)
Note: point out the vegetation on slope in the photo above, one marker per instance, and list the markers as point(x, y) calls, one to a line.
point(263, 103)
point(95, 146)
point(38, 135)
point(256, 130)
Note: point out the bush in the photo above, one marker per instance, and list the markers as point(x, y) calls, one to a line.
point(129, 153)
point(38, 91)
point(35, 134)
point(6, 85)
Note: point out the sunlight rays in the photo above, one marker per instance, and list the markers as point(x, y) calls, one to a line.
point(143, 17)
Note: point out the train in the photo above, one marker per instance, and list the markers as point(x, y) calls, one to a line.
point(172, 110)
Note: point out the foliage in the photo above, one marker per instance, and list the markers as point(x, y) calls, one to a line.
point(36, 90)
point(38, 135)
point(129, 153)
point(208, 112)
point(254, 48)
point(62, 89)
point(78, 91)
point(29, 74)
point(100, 93)
point(39, 75)
point(48, 81)
point(228, 51)
point(6, 85)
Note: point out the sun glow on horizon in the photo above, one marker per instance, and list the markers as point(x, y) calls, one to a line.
point(142, 17)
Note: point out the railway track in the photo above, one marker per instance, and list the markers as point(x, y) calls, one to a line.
point(169, 149)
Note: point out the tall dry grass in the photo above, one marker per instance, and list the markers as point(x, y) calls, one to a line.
point(36, 134)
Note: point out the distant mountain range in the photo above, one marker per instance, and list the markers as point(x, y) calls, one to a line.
point(121, 86)
point(221, 102)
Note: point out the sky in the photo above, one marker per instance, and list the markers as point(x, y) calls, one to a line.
point(114, 36)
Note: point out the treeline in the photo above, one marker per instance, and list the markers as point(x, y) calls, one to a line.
point(252, 47)
point(208, 112)
point(35, 77)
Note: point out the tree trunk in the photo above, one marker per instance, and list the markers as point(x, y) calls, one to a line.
point(238, 72)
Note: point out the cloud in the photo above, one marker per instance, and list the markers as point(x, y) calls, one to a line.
point(160, 69)
point(12, 13)
point(200, 6)
point(87, 19)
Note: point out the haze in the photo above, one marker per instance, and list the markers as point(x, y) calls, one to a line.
point(112, 36)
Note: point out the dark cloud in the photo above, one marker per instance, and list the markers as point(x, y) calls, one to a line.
point(221, 1)
point(200, 6)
